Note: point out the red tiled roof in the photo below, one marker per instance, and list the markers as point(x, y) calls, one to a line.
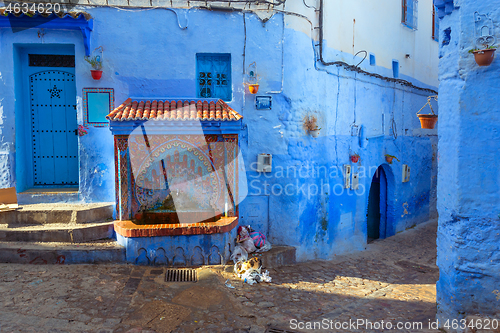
point(174, 110)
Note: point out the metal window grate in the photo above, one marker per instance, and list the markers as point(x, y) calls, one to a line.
point(51, 60)
point(181, 275)
point(214, 75)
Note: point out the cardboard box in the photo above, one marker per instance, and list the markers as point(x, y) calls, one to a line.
point(8, 199)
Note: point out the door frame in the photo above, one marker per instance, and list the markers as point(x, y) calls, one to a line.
point(22, 72)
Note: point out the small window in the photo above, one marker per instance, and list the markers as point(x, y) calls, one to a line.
point(395, 68)
point(213, 75)
point(373, 62)
point(409, 13)
point(435, 24)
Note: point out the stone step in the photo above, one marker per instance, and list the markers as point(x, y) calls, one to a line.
point(55, 232)
point(62, 253)
point(276, 257)
point(58, 213)
point(48, 195)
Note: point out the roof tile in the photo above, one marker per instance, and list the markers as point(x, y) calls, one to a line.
point(174, 110)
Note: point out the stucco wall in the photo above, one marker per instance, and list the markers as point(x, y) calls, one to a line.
point(468, 188)
point(147, 54)
point(375, 27)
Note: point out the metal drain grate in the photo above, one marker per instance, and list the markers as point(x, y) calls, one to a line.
point(181, 275)
point(278, 330)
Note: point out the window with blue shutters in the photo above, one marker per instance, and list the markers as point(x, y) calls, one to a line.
point(213, 75)
point(409, 13)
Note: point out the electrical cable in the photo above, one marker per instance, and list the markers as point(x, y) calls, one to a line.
point(366, 54)
point(305, 4)
point(314, 51)
point(355, 68)
point(245, 41)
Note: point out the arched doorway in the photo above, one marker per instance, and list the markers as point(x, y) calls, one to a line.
point(377, 206)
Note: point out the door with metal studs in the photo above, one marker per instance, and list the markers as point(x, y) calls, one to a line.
point(54, 128)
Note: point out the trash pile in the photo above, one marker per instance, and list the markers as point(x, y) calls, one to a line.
point(249, 241)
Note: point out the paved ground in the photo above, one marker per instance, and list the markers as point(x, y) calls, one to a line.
point(393, 281)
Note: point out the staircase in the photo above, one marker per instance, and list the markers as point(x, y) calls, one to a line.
point(59, 233)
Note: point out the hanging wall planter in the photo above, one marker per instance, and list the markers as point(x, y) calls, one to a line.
point(428, 121)
point(311, 126)
point(484, 57)
point(389, 158)
point(315, 132)
point(252, 79)
point(253, 88)
point(96, 63)
point(484, 39)
point(354, 158)
point(96, 75)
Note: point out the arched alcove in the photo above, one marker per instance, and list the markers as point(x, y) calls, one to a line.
point(380, 204)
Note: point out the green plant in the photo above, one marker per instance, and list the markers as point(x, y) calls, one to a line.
point(95, 62)
point(491, 47)
point(391, 156)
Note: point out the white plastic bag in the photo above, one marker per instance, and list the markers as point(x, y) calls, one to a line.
point(239, 254)
point(265, 248)
point(248, 245)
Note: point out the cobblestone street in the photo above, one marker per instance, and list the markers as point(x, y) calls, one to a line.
point(393, 280)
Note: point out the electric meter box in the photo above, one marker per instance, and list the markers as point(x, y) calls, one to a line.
point(264, 163)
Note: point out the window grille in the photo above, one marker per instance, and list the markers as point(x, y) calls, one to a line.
point(214, 76)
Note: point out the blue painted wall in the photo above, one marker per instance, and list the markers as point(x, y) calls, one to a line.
point(468, 188)
point(146, 54)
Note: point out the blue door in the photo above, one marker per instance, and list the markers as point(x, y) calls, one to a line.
point(54, 128)
point(377, 206)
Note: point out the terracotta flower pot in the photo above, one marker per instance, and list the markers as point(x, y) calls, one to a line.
point(253, 88)
point(484, 57)
point(96, 75)
point(428, 120)
point(354, 159)
point(389, 159)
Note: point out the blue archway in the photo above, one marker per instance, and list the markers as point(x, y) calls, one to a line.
point(380, 207)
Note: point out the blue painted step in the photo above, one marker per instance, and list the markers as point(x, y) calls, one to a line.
point(61, 253)
point(70, 233)
point(58, 213)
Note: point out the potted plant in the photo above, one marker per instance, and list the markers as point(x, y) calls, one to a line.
point(252, 78)
point(310, 125)
point(96, 64)
point(354, 158)
point(253, 88)
point(315, 132)
point(485, 56)
point(389, 158)
point(428, 120)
